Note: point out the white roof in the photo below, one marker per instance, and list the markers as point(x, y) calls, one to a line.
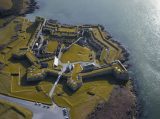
point(90, 29)
point(36, 44)
point(56, 61)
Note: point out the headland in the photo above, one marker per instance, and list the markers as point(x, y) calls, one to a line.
point(78, 67)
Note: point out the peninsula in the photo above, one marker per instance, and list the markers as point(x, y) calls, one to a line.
point(78, 68)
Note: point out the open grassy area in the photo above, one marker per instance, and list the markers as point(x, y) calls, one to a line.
point(76, 53)
point(66, 29)
point(5, 21)
point(77, 69)
point(5, 83)
point(7, 32)
point(6, 4)
point(86, 98)
point(52, 46)
point(9, 110)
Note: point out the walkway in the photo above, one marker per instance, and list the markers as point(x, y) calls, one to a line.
point(55, 84)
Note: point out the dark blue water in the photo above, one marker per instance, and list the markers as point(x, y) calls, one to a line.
point(135, 23)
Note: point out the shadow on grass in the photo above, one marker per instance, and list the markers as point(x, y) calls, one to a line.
point(25, 63)
point(31, 29)
point(24, 81)
point(110, 78)
point(66, 89)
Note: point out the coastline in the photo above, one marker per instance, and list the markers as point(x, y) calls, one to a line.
point(30, 8)
point(121, 94)
point(120, 106)
point(19, 8)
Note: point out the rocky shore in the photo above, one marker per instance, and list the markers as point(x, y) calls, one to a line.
point(19, 7)
point(121, 105)
point(32, 5)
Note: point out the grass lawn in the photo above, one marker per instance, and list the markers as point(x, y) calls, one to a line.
point(76, 53)
point(5, 83)
point(52, 46)
point(7, 32)
point(63, 29)
point(77, 69)
point(80, 102)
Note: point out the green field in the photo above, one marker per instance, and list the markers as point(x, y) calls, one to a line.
point(7, 32)
point(52, 46)
point(76, 53)
point(82, 102)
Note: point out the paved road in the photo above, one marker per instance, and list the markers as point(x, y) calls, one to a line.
point(54, 86)
point(39, 112)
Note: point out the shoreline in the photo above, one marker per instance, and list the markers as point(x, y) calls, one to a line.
point(32, 6)
point(130, 88)
point(19, 8)
point(121, 105)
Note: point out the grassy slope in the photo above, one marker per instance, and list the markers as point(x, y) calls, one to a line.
point(7, 32)
point(76, 53)
point(52, 45)
point(9, 110)
point(82, 103)
point(121, 105)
